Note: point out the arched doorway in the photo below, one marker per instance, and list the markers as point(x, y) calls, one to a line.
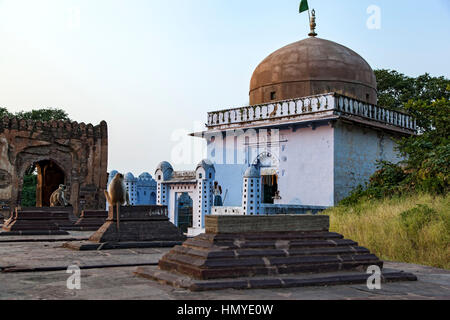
point(269, 187)
point(50, 176)
point(268, 164)
point(185, 212)
point(41, 178)
point(153, 198)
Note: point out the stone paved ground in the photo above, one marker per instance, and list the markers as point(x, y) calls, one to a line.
point(120, 283)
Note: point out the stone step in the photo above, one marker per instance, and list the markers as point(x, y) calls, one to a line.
point(78, 228)
point(90, 220)
point(197, 243)
point(26, 225)
point(37, 221)
point(60, 217)
point(42, 216)
point(33, 233)
point(85, 226)
point(242, 253)
point(217, 238)
point(266, 261)
point(94, 214)
point(46, 209)
point(259, 270)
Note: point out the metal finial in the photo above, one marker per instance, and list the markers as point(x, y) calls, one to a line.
point(313, 24)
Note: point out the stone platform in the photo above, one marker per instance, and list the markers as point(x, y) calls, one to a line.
point(244, 252)
point(90, 220)
point(37, 221)
point(37, 271)
point(140, 227)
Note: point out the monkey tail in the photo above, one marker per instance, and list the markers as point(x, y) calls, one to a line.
point(108, 198)
point(118, 219)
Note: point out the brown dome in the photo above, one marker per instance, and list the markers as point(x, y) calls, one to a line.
point(309, 67)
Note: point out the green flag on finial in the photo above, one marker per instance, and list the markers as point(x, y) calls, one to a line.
point(304, 6)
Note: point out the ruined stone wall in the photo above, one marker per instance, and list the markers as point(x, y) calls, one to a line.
point(80, 150)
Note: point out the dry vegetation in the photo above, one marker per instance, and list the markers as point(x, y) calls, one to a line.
point(412, 229)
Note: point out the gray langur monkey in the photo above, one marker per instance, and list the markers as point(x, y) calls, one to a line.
point(58, 198)
point(117, 195)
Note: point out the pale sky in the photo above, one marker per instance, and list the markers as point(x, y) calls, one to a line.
point(154, 68)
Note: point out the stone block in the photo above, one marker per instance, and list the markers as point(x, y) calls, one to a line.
point(276, 223)
point(138, 227)
point(138, 223)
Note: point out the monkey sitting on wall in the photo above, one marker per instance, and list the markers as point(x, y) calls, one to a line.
point(58, 198)
point(117, 194)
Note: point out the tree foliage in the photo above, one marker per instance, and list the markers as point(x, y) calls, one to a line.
point(395, 89)
point(46, 114)
point(43, 115)
point(28, 198)
point(5, 113)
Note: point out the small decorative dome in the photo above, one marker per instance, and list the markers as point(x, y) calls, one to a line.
point(252, 172)
point(145, 176)
point(166, 169)
point(129, 176)
point(163, 166)
point(310, 67)
point(206, 164)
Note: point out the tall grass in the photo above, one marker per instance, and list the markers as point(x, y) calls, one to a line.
point(412, 229)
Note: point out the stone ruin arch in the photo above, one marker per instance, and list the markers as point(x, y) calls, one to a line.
point(80, 151)
point(41, 163)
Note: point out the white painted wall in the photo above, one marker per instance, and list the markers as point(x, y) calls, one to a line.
point(306, 167)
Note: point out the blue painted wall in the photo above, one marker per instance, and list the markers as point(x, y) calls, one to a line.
point(355, 154)
point(141, 190)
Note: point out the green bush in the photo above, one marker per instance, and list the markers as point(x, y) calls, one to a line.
point(386, 181)
point(414, 220)
point(355, 196)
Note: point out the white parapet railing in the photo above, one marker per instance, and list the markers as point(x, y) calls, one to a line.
point(225, 211)
point(295, 108)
